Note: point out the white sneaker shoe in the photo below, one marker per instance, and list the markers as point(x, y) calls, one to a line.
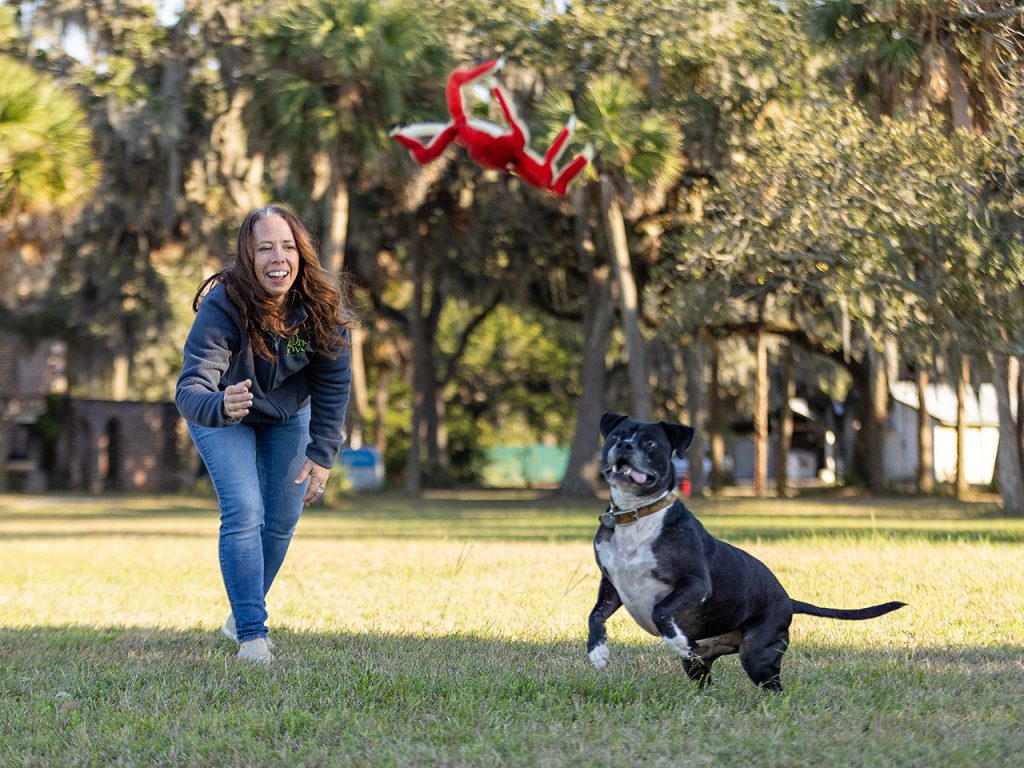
point(256, 651)
point(231, 631)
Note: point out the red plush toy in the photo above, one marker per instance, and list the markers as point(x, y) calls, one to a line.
point(489, 144)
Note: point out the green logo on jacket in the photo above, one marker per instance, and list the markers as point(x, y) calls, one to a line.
point(297, 345)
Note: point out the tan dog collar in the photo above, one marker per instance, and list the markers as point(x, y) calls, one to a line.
point(614, 516)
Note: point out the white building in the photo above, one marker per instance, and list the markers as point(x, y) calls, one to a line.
point(982, 435)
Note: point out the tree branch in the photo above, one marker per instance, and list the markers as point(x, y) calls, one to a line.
point(794, 333)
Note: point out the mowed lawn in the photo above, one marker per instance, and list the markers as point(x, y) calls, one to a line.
point(451, 630)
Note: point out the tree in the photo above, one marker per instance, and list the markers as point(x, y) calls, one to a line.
point(956, 58)
point(47, 169)
point(336, 76)
point(960, 60)
point(47, 166)
point(637, 150)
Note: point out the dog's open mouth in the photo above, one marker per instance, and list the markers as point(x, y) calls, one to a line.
point(624, 470)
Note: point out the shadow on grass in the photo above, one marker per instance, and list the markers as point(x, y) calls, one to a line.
point(642, 672)
point(491, 517)
point(147, 696)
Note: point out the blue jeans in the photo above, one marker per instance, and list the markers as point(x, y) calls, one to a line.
point(253, 469)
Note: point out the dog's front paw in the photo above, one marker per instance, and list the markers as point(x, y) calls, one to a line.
point(679, 644)
point(600, 656)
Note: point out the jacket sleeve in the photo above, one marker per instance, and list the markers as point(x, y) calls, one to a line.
point(329, 384)
point(207, 355)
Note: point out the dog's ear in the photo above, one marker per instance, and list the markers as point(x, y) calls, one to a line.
point(610, 421)
point(679, 436)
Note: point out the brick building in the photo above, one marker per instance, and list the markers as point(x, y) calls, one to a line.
point(107, 445)
point(101, 445)
point(28, 373)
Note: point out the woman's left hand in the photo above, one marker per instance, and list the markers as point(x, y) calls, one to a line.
point(317, 480)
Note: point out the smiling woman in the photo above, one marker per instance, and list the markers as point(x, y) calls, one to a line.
point(277, 259)
point(264, 385)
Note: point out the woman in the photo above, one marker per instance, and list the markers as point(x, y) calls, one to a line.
point(264, 385)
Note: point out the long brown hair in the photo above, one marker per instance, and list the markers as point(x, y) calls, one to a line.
point(316, 289)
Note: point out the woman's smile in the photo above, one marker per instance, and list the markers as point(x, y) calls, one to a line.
point(276, 260)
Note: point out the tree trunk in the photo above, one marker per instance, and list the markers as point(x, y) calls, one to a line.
point(694, 363)
point(581, 475)
point(629, 301)
point(785, 442)
point(1020, 410)
point(335, 220)
point(715, 432)
point(959, 101)
point(5, 430)
point(420, 363)
point(1011, 485)
point(359, 413)
point(760, 413)
point(582, 472)
point(961, 427)
point(380, 404)
point(172, 126)
point(878, 420)
point(925, 436)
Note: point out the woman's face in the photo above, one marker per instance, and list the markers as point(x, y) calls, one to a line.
point(277, 257)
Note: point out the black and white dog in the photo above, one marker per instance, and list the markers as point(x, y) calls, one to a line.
point(705, 598)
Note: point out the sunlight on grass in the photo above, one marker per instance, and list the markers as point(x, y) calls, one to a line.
point(488, 570)
point(451, 630)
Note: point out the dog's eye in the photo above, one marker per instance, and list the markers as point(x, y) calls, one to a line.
point(648, 443)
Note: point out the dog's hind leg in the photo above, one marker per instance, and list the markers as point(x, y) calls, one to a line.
point(608, 602)
point(698, 669)
point(761, 655)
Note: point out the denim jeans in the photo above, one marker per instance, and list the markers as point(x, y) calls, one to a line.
point(253, 469)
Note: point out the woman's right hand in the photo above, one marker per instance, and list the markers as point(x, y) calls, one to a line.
point(237, 399)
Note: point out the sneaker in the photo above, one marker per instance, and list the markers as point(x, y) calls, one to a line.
point(230, 630)
point(255, 650)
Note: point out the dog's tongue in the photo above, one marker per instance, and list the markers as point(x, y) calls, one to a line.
point(637, 476)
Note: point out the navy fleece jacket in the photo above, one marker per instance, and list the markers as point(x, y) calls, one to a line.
point(217, 354)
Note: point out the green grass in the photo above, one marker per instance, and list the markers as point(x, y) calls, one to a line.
point(450, 630)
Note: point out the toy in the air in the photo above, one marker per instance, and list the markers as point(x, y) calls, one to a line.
point(489, 144)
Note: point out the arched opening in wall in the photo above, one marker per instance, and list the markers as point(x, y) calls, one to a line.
point(84, 467)
point(110, 461)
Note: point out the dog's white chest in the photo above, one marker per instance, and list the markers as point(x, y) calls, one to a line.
point(629, 561)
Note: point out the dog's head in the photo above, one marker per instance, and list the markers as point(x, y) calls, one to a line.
point(636, 460)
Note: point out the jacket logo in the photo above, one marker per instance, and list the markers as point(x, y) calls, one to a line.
point(297, 345)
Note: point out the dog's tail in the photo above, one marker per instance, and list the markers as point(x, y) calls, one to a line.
point(848, 614)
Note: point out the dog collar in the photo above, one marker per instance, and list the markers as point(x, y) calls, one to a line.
point(614, 516)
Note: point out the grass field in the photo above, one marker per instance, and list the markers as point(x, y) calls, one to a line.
point(450, 631)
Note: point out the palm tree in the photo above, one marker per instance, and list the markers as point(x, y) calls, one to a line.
point(46, 158)
point(46, 168)
point(927, 54)
point(638, 151)
point(337, 74)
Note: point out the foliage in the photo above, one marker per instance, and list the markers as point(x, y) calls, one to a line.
point(747, 181)
point(46, 157)
point(829, 211)
point(337, 75)
point(516, 376)
point(962, 60)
